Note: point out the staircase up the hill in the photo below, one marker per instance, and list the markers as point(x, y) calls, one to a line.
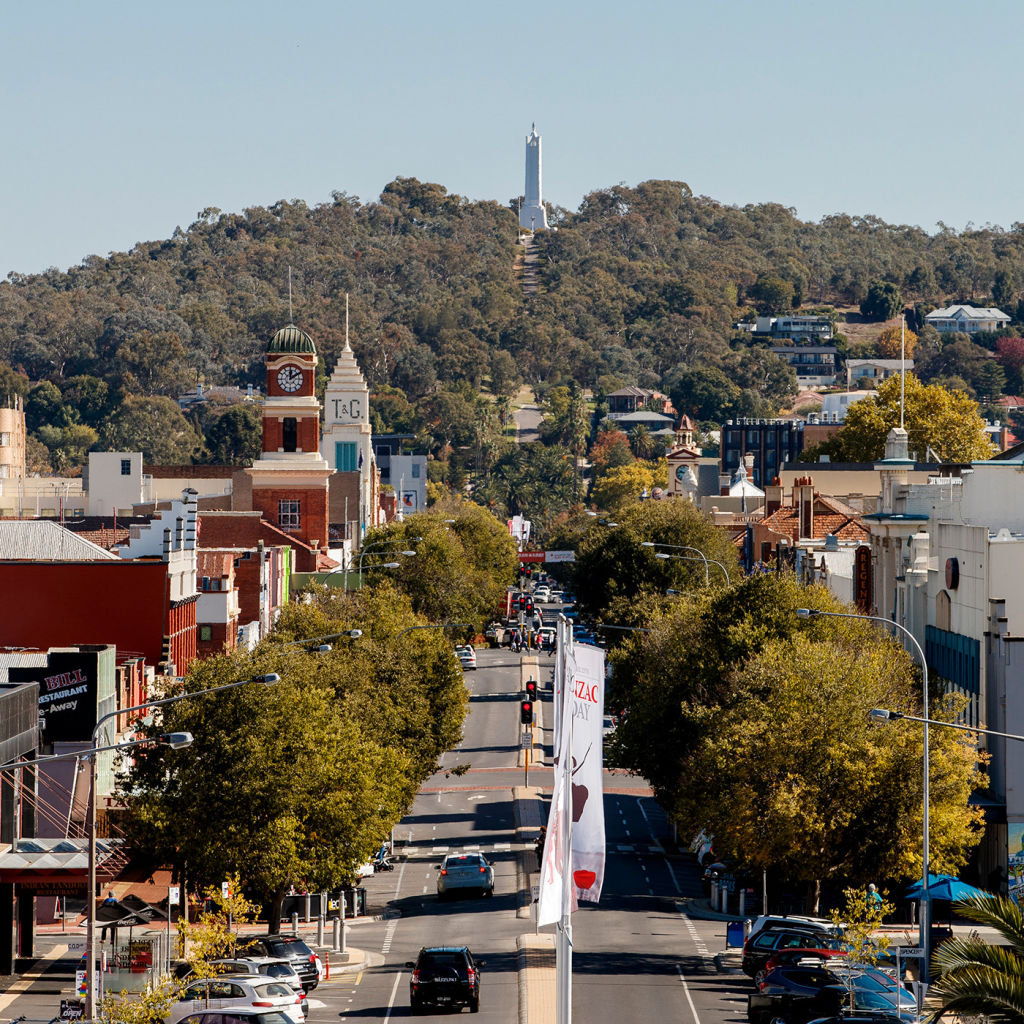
point(527, 265)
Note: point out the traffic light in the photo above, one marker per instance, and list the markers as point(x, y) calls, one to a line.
point(526, 712)
point(529, 604)
point(531, 689)
point(522, 602)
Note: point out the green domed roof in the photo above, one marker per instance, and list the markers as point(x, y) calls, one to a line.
point(291, 339)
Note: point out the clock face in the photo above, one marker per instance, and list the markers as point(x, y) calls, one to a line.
point(289, 378)
point(680, 472)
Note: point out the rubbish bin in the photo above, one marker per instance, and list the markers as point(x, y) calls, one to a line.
point(734, 934)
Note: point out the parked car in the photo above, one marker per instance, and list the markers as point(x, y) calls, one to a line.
point(800, 993)
point(861, 1017)
point(284, 947)
point(272, 967)
point(237, 990)
point(776, 921)
point(445, 976)
point(764, 945)
point(467, 657)
point(237, 1015)
point(460, 872)
point(789, 957)
point(795, 994)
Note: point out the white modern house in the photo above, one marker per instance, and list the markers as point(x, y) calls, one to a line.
point(967, 319)
point(874, 369)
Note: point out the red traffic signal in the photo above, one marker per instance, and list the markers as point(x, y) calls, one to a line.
point(531, 689)
point(526, 712)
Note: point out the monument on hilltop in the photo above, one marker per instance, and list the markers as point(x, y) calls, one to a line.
point(532, 215)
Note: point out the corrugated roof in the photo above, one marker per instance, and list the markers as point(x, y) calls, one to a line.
point(47, 541)
point(970, 312)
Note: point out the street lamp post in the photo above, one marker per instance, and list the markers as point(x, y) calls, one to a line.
point(703, 558)
point(683, 547)
point(808, 613)
point(90, 948)
point(378, 544)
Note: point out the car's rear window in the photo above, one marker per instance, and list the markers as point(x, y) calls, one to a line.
point(290, 947)
point(469, 860)
point(272, 1017)
point(273, 988)
point(278, 970)
point(812, 979)
point(445, 959)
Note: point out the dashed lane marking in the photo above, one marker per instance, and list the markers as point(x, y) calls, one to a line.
point(698, 942)
point(389, 934)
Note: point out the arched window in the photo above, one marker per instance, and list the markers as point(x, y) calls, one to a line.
point(942, 610)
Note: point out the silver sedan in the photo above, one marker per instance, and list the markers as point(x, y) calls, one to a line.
point(462, 872)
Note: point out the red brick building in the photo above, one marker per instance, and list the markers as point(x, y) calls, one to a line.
point(289, 480)
point(218, 608)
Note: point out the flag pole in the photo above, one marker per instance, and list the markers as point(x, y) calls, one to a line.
point(563, 947)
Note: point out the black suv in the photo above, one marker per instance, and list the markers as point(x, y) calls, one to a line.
point(284, 947)
point(445, 976)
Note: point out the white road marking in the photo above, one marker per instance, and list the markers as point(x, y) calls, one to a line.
point(686, 991)
point(482, 796)
point(389, 934)
point(627, 831)
point(398, 881)
point(702, 949)
point(640, 804)
point(394, 989)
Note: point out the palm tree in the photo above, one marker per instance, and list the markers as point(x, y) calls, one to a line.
point(979, 979)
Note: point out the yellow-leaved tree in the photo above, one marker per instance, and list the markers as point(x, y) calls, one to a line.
point(947, 422)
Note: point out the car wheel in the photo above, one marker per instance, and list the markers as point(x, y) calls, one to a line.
point(474, 1005)
point(759, 976)
point(489, 892)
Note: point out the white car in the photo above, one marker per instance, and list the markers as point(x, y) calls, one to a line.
point(272, 967)
point(467, 657)
point(238, 990)
point(542, 594)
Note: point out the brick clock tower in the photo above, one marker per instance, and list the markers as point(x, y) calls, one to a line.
point(289, 480)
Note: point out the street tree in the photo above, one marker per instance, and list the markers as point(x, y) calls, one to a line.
point(612, 565)
point(946, 421)
point(235, 437)
point(279, 784)
point(797, 778)
point(622, 486)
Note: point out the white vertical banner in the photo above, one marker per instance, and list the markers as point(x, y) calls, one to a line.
point(580, 745)
point(587, 704)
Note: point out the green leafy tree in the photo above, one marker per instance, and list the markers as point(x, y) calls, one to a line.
point(882, 302)
point(773, 295)
point(760, 734)
point(279, 785)
point(44, 406)
point(235, 438)
point(154, 426)
point(534, 480)
point(612, 565)
point(948, 422)
point(979, 979)
point(69, 447)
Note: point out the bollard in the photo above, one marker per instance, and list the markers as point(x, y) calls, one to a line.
point(743, 900)
point(295, 923)
point(747, 924)
point(714, 894)
point(725, 900)
point(319, 929)
point(344, 926)
point(305, 916)
point(336, 937)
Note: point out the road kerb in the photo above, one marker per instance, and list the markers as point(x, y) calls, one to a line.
point(536, 978)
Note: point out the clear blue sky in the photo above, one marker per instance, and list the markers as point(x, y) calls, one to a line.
point(124, 119)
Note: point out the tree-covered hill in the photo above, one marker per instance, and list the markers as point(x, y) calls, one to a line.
point(640, 285)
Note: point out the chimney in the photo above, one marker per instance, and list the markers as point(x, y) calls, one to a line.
point(772, 497)
point(806, 504)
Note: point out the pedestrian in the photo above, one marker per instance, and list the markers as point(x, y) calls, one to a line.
point(874, 899)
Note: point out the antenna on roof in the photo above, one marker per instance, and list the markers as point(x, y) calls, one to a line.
point(290, 317)
point(347, 349)
point(903, 363)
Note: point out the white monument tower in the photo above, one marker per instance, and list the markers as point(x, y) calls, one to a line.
point(532, 215)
